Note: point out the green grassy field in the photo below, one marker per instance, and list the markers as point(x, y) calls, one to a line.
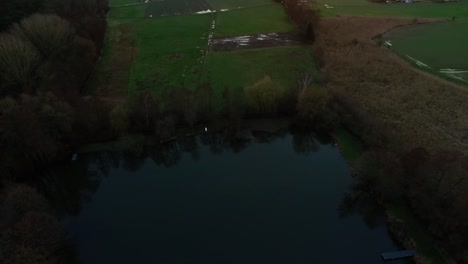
point(367, 8)
point(261, 19)
point(113, 3)
point(438, 45)
point(128, 12)
point(169, 50)
point(237, 69)
point(232, 4)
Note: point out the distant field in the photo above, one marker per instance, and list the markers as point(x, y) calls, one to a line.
point(262, 19)
point(439, 46)
point(232, 4)
point(237, 69)
point(128, 12)
point(175, 7)
point(113, 3)
point(169, 49)
point(367, 8)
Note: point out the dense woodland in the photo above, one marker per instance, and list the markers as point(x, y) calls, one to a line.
point(48, 51)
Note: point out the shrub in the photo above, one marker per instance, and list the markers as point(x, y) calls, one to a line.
point(119, 119)
point(19, 200)
point(35, 239)
point(264, 96)
point(312, 103)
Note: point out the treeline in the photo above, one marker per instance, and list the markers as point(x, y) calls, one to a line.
point(163, 114)
point(48, 50)
point(304, 14)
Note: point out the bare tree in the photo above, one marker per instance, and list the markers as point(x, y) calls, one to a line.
point(18, 60)
point(49, 33)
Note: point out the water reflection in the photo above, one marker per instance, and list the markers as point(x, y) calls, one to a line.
point(73, 187)
point(358, 200)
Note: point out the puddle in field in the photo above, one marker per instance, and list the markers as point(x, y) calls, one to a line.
point(256, 41)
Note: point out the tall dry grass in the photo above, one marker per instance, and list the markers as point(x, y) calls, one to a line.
point(417, 109)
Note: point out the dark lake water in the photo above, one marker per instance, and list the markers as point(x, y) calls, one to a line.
point(282, 199)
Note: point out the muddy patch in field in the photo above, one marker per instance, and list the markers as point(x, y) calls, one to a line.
point(257, 41)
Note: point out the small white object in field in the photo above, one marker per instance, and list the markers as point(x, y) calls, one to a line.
point(150, 15)
point(206, 129)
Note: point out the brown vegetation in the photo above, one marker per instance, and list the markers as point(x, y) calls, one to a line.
point(396, 109)
point(28, 232)
point(415, 110)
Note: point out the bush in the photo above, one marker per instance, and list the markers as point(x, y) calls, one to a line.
point(119, 119)
point(19, 200)
point(35, 239)
point(312, 103)
point(264, 96)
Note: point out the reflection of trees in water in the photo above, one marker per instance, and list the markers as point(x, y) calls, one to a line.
point(69, 187)
point(305, 143)
point(166, 155)
point(360, 200)
point(72, 185)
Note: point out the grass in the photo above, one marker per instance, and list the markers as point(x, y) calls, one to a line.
point(237, 69)
point(128, 12)
point(111, 76)
point(261, 19)
point(168, 49)
point(439, 45)
point(367, 8)
point(424, 243)
point(113, 3)
point(232, 4)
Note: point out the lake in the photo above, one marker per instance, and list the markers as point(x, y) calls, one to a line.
point(272, 199)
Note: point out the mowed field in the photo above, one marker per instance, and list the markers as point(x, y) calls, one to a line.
point(441, 47)
point(253, 20)
point(176, 7)
point(237, 69)
point(233, 4)
point(159, 46)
